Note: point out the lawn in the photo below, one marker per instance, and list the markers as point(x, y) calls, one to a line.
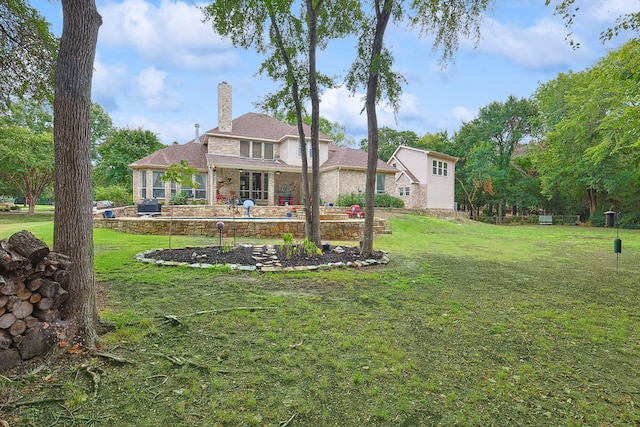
point(470, 324)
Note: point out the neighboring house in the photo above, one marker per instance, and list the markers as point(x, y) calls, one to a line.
point(255, 157)
point(426, 179)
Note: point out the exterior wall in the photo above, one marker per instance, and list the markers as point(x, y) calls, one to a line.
point(441, 193)
point(417, 193)
point(218, 145)
point(259, 229)
point(288, 152)
point(416, 162)
point(329, 189)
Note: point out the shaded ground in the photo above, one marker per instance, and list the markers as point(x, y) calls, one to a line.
point(250, 255)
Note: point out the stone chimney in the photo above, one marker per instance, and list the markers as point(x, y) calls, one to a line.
point(224, 108)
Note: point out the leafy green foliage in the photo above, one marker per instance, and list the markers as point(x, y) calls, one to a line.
point(390, 140)
point(120, 195)
point(118, 151)
point(381, 200)
point(27, 164)
point(28, 52)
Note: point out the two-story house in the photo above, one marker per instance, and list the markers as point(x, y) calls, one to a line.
point(255, 157)
point(426, 179)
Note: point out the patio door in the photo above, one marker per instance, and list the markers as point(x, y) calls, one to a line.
point(254, 185)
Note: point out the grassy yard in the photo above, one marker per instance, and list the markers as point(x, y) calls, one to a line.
point(470, 324)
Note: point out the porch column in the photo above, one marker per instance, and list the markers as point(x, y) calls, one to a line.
point(272, 189)
point(213, 192)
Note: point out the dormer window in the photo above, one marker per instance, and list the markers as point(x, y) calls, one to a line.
point(256, 150)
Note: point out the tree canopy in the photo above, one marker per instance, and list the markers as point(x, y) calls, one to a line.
point(121, 148)
point(28, 52)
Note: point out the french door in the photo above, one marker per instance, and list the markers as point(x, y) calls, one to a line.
point(254, 185)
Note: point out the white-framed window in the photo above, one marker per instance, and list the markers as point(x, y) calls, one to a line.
point(143, 184)
point(254, 185)
point(401, 191)
point(256, 150)
point(406, 191)
point(158, 185)
point(440, 167)
point(201, 189)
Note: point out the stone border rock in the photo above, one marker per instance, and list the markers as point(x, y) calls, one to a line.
point(262, 267)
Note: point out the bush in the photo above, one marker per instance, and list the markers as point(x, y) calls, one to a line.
point(180, 198)
point(120, 195)
point(381, 200)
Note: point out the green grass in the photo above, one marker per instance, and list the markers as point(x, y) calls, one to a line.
point(470, 324)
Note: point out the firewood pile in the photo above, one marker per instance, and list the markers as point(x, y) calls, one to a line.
point(33, 287)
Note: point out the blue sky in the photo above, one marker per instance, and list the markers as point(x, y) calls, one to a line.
point(158, 66)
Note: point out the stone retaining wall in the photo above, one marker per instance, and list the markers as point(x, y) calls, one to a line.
point(350, 230)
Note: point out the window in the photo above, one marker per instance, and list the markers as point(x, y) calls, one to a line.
point(309, 153)
point(381, 181)
point(143, 184)
point(402, 191)
point(201, 189)
point(406, 191)
point(256, 150)
point(158, 185)
point(254, 185)
point(245, 149)
point(440, 168)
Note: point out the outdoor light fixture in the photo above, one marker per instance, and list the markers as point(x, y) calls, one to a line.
point(240, 170)
point(220, 226)
point(277, 172)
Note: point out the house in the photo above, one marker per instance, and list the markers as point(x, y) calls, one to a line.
point(426, 179)
point(256, 157)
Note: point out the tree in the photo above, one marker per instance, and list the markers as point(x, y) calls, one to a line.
point(73, 220)
point(569, 10)
point(503, 125)
point(445, 20)
point(121, 148)
point(31, 114)
point(390, 139)
point(26, 162)
point(101, 128)
point(27, 54)
point(588, 123)
point(182, 175)
point(290, 40)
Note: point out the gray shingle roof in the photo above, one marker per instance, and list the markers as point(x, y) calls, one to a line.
point(353, 159)
point(262, 126)
point(192, 152)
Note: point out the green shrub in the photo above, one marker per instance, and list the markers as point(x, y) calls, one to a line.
point(118, 194)
point(381, 200)
point(180, 198)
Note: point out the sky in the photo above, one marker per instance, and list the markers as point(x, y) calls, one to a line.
point(158, 66)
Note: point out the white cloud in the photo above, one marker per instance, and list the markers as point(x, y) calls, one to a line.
point(171, 32)
point(108, 82)
point(150, 85)
point(541, 45)
point(462, 114)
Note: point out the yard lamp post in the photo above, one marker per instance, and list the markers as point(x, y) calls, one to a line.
point(220, 226)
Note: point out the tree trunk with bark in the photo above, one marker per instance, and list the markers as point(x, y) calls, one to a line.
point(73, 221)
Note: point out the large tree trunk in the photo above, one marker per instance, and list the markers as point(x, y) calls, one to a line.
point(314, 236)
point(373, 81)
point(73, 222)
point(593, 201)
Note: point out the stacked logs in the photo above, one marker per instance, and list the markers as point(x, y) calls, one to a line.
point(33, 286)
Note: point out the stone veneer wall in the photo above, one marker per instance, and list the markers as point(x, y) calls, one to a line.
point(257, 228)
